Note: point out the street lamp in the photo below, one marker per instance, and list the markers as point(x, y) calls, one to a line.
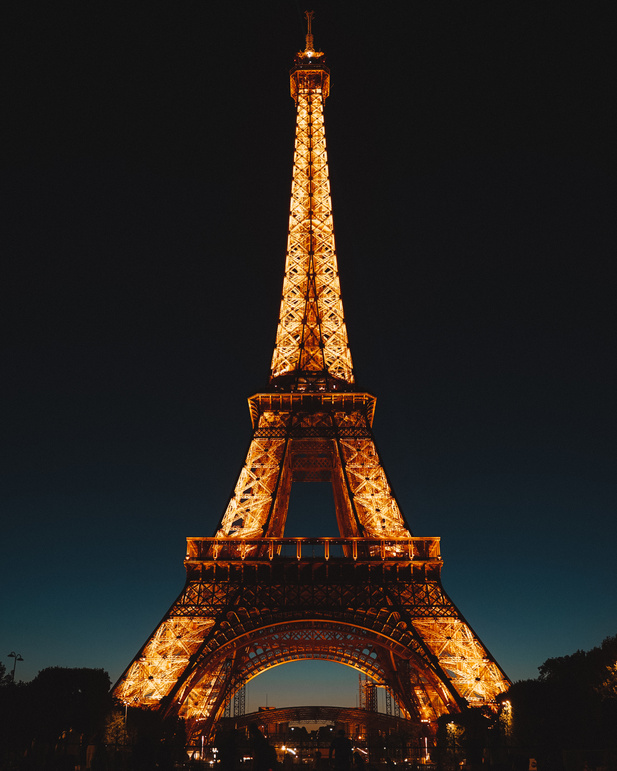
point(17, 657)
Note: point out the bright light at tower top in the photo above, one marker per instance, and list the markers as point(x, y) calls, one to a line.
point(309, 50)
point(311, 62)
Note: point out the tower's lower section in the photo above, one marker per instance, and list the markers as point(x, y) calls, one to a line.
point(376, 605)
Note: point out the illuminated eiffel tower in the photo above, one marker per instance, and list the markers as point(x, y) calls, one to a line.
point(371, 598)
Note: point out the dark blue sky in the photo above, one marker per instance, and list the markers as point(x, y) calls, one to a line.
point(146, 176)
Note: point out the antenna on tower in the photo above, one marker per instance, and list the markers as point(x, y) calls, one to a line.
point(309, 35)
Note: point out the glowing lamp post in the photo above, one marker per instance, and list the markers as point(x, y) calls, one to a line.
point(17, 657)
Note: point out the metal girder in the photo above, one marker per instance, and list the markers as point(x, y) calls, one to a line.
point(322, 715)
point(365, 504)
point(311, 339)
point(269, 609)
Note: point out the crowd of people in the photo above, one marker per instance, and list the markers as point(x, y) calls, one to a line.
point(341, 756)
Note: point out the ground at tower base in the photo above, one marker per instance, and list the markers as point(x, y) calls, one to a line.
point(564, 720)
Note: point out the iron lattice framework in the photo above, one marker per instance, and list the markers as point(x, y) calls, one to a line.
point(354, 718)
point(371, 599)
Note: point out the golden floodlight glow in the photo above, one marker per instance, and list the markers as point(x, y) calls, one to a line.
point(311, 334)
point(371, 598)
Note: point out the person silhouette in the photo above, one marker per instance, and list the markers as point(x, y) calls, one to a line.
point(342, 751)
point(264, 754)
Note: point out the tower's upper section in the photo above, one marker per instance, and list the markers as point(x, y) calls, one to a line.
point(311, 351)
point(309, 70)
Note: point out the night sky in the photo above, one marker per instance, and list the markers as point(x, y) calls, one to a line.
point(146, 171)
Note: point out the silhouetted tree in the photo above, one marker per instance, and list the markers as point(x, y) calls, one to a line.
point(5, 678)
point(10, 738)
point(569, 713)
point(60, 709)
point(464, 736)
point(156, 742)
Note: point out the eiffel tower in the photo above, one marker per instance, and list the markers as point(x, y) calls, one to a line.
point(371, 598)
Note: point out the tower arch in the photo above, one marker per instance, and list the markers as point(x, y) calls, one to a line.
point(380, 656)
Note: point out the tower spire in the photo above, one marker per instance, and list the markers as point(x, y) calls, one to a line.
point(309, 35)
point(312, 350)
